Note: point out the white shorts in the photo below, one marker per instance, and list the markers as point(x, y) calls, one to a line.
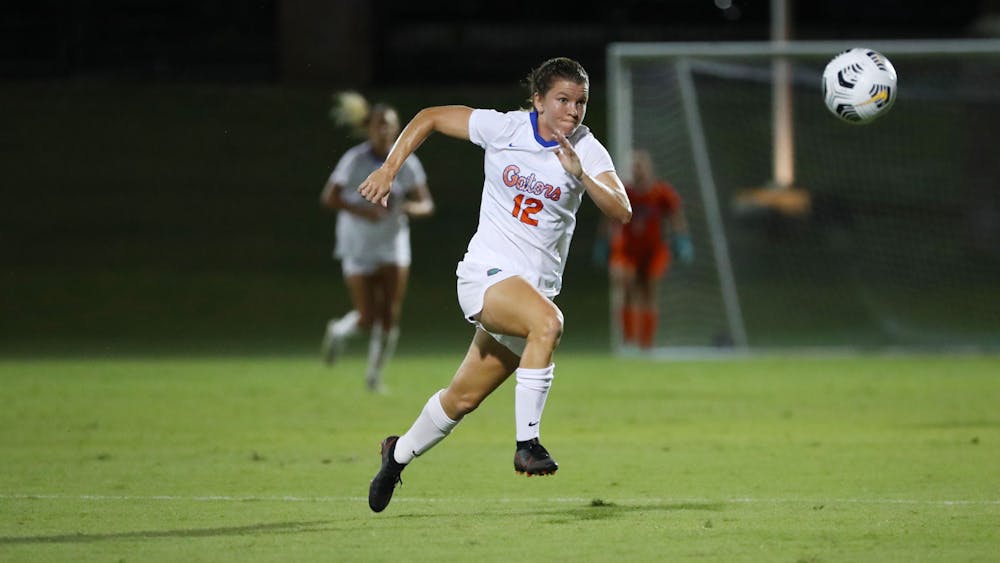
point(362, 250)
point(473, 281)
point(358, 266)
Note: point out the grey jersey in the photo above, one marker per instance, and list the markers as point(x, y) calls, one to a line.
point(359, 237)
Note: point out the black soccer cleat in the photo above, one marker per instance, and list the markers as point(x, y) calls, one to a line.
point(532, 458)
point(384, 482)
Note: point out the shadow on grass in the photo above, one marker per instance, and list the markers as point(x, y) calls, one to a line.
point(255, 529)
point(602, 510)
point(596, 510)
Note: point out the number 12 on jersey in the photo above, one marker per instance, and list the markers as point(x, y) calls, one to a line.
point(524, 208)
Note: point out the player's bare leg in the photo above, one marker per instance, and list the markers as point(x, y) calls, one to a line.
point(357, 320)
point(487, 364)
point(392, 280)
point(623, 304)
point(645, 297)
point(515, 307)
point(511, 307)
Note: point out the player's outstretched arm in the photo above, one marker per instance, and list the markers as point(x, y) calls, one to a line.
point(450, 120)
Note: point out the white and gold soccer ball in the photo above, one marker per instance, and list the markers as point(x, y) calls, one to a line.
point(859, 85)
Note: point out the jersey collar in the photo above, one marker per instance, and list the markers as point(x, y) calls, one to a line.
point(534, 129)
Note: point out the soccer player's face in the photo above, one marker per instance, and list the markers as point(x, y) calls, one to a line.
point(383, 130)
point(642, 167)
point(561, 108)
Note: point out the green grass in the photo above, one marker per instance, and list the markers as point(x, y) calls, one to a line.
point(268, 458)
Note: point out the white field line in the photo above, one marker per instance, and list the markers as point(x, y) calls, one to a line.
point(558, 500)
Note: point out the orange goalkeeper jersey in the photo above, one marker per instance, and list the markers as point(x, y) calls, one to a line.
point(638, 245)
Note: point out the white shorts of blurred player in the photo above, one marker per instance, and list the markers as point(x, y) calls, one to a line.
point(473, 281)
point(363, 250)
point(368, 264)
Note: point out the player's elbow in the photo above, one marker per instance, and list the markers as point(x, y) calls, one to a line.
point(427, 207)
point(624, 215)
point(329, 198)
point(420, 210)
point(617, 211)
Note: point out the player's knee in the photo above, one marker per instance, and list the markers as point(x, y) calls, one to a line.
point(549, 328)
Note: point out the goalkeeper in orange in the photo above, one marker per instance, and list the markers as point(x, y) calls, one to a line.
point(641, 251)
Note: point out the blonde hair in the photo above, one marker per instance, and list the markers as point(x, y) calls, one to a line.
point(350, 109)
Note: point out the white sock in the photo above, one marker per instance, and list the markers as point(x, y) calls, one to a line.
point(376, 345)
point(529, 400)
point(430, 428)
point(346, 326)
point(376, 356)
point(390, 344)
point(381, 345)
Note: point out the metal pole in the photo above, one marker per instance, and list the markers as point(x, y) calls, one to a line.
point(783, 142)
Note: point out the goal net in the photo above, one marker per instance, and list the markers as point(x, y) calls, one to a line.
point(808, 231)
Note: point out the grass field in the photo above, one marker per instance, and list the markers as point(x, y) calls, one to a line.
point(268, 459)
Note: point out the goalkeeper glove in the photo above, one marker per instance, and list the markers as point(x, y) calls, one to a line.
point(682, 247)
point(600, 252)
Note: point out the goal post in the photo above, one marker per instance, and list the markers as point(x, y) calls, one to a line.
point(871, 236)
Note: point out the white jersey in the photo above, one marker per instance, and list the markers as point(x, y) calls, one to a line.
point(529, 204)
point(389, 236)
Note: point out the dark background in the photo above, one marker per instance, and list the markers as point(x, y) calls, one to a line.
point(431, 43)
point(162, 159)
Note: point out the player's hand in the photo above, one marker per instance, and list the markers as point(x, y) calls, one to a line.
point(568, 157)
point(376, 187)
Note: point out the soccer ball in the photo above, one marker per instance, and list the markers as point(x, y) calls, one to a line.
point(859, 85)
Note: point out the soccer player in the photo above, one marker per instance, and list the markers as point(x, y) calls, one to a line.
point(537, 166)
point(373, 241)
point(640, 257)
